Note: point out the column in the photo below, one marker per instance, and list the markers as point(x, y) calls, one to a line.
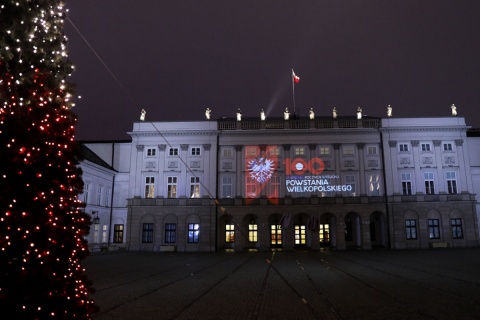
point(393, 162)
point(463, 166)
point(239, 170)
point(361, 169)
point(416, 164)
point(336, 155)
point(161, 184)
point(138, 171)
point(438, 164)
point(205, 179)
point(183, 184)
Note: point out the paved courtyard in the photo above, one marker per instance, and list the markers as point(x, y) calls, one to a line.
point(377, 284)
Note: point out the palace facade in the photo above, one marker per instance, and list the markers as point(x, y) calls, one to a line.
point(324, 182)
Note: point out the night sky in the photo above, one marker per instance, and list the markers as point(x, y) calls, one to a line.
point(175, 58)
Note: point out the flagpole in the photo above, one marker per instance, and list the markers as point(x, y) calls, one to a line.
point(293, 90)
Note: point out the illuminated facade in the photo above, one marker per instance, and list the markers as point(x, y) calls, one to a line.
point(298, 183)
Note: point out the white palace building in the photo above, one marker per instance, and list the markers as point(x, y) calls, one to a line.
point(264, 184)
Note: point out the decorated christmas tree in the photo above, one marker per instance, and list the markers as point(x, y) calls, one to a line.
point(41, 220)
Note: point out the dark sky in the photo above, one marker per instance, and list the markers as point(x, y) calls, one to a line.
point(175, 58)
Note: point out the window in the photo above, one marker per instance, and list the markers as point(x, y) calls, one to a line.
point(348, 150)
point(350, 180)
point(226, 187)
point(95, 233)
point(173, 152)
point(299, 151)
point(107, 197)
point(194, 187)
point(276, 235)
point(406, 184)
point(149, 187)
point(429, 183)
point(99, 195)
point(227, 153)
point(195, 152)
point(147, 233)
point(300, 234)
point(324, 151)
point(374, 185)
point(251, 187)
point(403, 147)
point(170, 232)
point(151, 152)
point(274, 151)
point(433, 229)
point(193, 232)
point(411, 229)
point(229, 233)
point(118, 233)
point(274, 187)
point(251, 152)
point(447, 147)
point(324, 233)
point(171, 187)
point(86, 192)
point(426, 147)
point(451, 182)
point(457, 232)
point(252, 232)
point(371, 150)
point(104, 233)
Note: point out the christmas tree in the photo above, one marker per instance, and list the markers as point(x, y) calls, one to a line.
point(41, 220)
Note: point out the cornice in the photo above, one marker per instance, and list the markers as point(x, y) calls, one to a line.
point(297, 132)
point(173, 133)
point(417, 129)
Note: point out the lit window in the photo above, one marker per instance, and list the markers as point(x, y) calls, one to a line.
point(275, 234)
point(149, 187)
point(171, 187)
point(274, 151)
point(118, 233)
point(300, 234)
point(324, 151)
point(300, 151)
point(252, 232)
point(194, 187)
point(374, 185)
point(229, 233)
point(104, 233)
point(411, 229)
point(193, 232)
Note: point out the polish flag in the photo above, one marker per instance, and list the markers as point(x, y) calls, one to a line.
point(295, 77)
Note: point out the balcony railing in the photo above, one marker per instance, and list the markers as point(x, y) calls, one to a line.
point(298, 123)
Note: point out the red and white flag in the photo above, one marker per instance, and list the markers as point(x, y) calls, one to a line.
point(295, 77)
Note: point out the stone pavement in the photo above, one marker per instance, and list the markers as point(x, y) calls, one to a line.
point(301, 284)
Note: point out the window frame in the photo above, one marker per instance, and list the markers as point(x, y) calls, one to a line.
point(147, 232)
point(406, 181)
point(457, 228)
point(149, 187)
point(411, 229)
point(151, 152)
point(170, 233)
point(118, 230)
point(193, 233)
point(403, 146)
point(195, 151)
point(173, 152)
point(433, 229)
point(172, 186)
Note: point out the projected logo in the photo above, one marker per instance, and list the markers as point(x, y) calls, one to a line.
point(262, 169)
